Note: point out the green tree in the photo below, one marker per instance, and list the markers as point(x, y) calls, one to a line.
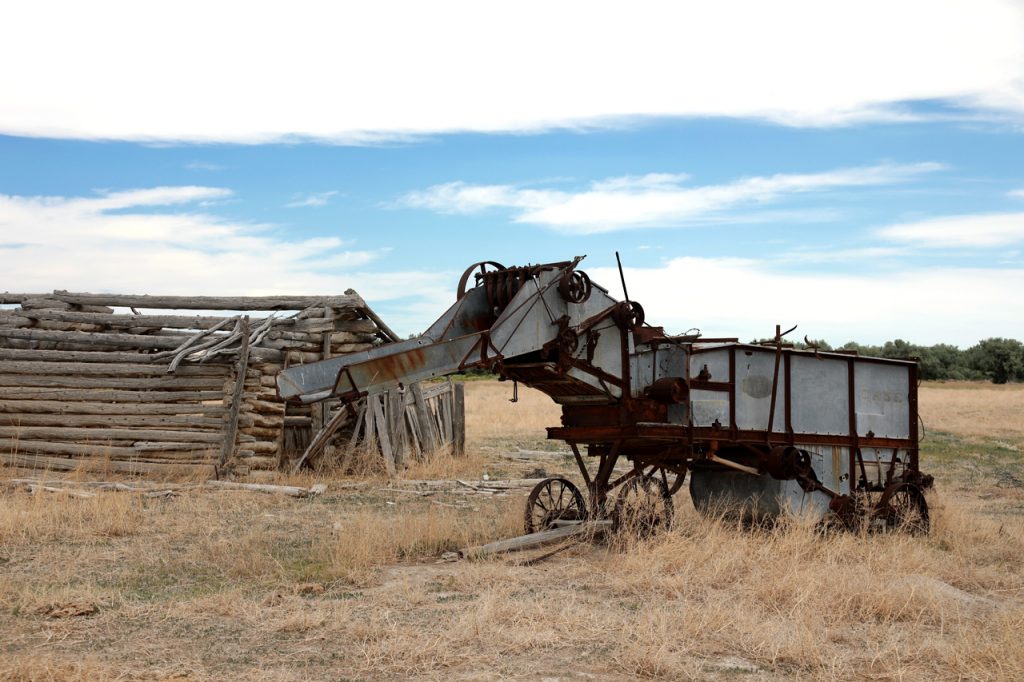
point(1000, 359)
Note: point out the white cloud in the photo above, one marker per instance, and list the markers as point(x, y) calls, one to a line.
point(1016, 193)
point(81, 244)
point(656, 199)
point(311, 199)
point(984, 230)
point(351, 72)
point(746, 298)
point(204, 166)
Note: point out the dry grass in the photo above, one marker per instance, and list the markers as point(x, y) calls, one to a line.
point(974, 409)
point(346, 586)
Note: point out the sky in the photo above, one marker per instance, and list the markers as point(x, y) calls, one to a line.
point(856, 169)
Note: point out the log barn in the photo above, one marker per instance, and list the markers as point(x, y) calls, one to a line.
point(180, 385)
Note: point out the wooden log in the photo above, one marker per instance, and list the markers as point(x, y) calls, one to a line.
point(289, 490)
point(95, 339)
point(262, 356)
point(428, 437)
point(231, 425)
point(459, 419)
point(111, 395)
point(386, 332)
point(46, 433)
point(9, 297)
point(67, 464)
point(109, 369)
point(57, 407)
point(169, 383)
point(346, 348)
point(239, 303)
point(535, 539)
point(123, 321)
point(143, 421)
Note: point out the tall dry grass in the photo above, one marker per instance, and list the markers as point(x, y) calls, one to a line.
point(973, 409)
point(491, 418)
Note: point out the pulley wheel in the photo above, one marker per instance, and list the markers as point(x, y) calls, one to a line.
point(479, 269)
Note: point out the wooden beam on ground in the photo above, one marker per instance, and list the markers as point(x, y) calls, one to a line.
point(535, 539)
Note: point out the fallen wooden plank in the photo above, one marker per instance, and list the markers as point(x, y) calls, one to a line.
point(289, 490)
point(535, 539)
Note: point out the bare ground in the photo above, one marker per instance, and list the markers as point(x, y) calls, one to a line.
point(349, 585)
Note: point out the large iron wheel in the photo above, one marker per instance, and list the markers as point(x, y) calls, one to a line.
point(479, 270)
point(551, 500)
point(643, 507)
point(902, 507)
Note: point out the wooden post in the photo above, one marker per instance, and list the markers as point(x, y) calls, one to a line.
point(459, 420)
point(231, 428)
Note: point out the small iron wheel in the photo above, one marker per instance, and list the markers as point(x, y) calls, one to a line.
point(643, 507)
point(903, 508)
point(673, 478)
point(551, 500)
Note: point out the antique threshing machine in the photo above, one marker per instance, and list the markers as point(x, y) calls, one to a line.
point(761, 429)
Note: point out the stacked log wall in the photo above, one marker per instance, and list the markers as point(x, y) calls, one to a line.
point(154, 392)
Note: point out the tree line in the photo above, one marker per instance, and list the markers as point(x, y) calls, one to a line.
point(997, 360)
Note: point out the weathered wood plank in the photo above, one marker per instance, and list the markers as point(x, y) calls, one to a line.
point(381, 427)
point(428, 436)
point(459, 419)
point(316, 446)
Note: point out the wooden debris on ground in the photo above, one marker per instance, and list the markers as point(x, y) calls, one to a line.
point(533, 540)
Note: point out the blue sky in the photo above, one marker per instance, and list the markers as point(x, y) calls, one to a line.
point(864, 181)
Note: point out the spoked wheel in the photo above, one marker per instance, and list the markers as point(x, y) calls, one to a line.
point(643, 507)
point(903, 508)
point(551, 500)
point(671, 477)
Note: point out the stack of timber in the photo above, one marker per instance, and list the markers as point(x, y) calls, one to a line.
point(140, 384)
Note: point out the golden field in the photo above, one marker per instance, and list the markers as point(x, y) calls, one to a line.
point(348, 585)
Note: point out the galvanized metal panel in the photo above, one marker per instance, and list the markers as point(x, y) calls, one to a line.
point(878, 460)
point(717, 362)
point(754, 379)
point(820, 395)
point(831, 464)
point(708, 406)
point(881, 398)
point(737, 494)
